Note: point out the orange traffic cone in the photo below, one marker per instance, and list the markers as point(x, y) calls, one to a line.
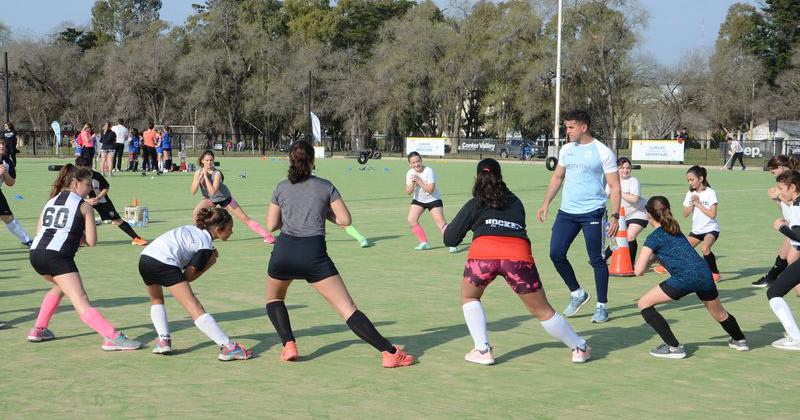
point(620, 262)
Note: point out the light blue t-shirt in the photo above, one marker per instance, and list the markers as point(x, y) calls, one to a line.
point(585, 180)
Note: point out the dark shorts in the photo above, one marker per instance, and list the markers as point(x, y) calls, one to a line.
point(700, 236)
point(640, 222)
point(300, 258)
point(154, 271)
point(5, 210)
point(522, 276)
point(224, 203)
point(428, 206)
point(107, 211)
point(52, 263)
point(676, 289)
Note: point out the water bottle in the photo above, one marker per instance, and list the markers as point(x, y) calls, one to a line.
point(145, 217)
point(612, 241)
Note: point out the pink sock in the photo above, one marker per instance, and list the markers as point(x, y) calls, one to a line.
point(95, 321)
point(48, 308)
point(419, 233)
point(255, 227)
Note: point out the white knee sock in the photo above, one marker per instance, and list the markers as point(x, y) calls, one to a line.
point(784, 314)
point(476, 323)
point(159, 316)
point(559, 328)
point(18, 231)
point(209, 327)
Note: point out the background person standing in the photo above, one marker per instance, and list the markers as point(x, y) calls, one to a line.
point(585, 165)
point(119, 147)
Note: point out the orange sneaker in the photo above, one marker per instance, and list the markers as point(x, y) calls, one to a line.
point(139, 241)
point(398, 359)
point(289, 352)
point(660, 269)
point(716, 277)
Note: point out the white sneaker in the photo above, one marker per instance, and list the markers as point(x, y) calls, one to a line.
point(475, 356)
point(581, 356)
point(787, 343)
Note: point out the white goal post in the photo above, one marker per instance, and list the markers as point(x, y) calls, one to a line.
point(194, 132)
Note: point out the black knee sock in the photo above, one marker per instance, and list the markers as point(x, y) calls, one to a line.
point(128, 229)
point(777, 268)
point(711, 260)
point(279, 316)
point(732, 327)
point(363, 328)
point(633, 247)
point(169, 165)
point(655, 320)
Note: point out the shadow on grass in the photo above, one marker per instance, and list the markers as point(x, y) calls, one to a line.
point(6, 293)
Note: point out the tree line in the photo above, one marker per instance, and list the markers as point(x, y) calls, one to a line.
point(399, 68)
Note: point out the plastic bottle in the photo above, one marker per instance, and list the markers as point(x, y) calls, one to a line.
point(145, 217)
point(612, 241)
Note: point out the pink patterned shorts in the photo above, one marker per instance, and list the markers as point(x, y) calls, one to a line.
point(522, 276)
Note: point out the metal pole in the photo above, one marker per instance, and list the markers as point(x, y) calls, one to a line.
point(8, 96)
point(308, 115)
point(556, 134)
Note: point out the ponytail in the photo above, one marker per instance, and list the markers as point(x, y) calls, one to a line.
point(489, 188)
point(65, 177)
point(301, 161)
point(699, 172)
point(210, 217)
point(658, 208)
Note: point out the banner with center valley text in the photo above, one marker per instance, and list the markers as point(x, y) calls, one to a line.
point(657, 150)
point(425, 146)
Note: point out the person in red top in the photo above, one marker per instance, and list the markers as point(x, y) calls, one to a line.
point(500, 246)
point(85, 141)
point(149, 139)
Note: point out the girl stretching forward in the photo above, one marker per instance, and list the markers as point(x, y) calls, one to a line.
point(701, 203)
point(788, 184)
point(67, 218)
point(300, 205)
point(215, 194)
point(421, 186)
point(500, 246)
point(177, 258)
point(688, 275)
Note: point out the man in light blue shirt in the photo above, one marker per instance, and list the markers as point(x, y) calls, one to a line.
point(585, 165)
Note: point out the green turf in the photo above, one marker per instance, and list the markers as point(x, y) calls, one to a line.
point(413, 298)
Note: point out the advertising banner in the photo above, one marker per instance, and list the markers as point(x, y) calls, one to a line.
point(425, 146)
point(657, 150)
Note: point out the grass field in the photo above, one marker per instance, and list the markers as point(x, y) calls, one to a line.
point(413, 297)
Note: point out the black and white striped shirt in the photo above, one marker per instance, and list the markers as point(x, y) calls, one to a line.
point(62, 224)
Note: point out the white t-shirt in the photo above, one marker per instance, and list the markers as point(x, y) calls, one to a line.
point(121, 132)
point(178, 246)
point(700, 222)
point(631, 186)
point(428, 177)
point(792, 215)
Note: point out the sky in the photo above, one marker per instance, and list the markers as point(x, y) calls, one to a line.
point(675, 27)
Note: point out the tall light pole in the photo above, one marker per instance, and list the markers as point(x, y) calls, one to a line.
point(556, 134)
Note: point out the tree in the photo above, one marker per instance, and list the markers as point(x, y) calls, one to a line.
point(118, 20)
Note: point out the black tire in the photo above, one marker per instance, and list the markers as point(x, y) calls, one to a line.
point(503, 154)
point(550, 163)
point(363, 157)
point(55, 168)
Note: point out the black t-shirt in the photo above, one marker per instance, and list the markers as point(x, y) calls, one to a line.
point(10, 139)
point(486, 221)
point(5, 161)
point(99, 183)
point(108, 139)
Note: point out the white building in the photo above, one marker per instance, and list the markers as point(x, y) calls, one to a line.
point(787, 130)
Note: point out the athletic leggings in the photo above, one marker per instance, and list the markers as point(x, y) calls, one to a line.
point(565, 229)
point(785, 282)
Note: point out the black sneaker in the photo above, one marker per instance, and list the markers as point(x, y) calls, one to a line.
point(762, 282)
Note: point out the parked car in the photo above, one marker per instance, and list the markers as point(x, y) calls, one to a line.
point(523, 149)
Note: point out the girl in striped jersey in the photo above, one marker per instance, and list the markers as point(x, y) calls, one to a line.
point(788, 184)
point(8, 176)
point(66, 219)
point(210, 182)
point(777, 165)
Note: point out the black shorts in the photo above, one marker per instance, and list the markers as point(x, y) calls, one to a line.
point(224, 203)
point(675, 292)
point(300, 258)
point(154, 271)
point(107, 210)
point(4, 209)
point(640, 222)
point(428, 206)
point(701, 236)
point(52, 263)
